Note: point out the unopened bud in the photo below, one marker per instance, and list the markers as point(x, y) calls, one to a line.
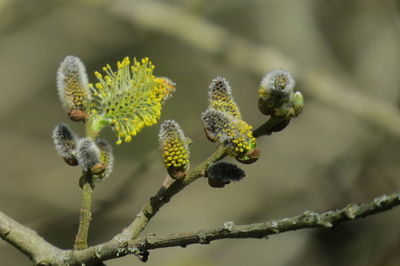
point(277, 84)
point(298, 103)
point(277, 97)
point(276, 93)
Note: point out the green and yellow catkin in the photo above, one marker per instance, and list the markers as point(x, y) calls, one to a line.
point(175, 149)
point(223, 123)
point(220, 97)
point(233, 133)
point(168, 85)
point(72, 86)
point(65, 143)
point(129, 98)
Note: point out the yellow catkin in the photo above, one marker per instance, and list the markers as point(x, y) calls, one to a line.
point(131, 96)
point(174, 145)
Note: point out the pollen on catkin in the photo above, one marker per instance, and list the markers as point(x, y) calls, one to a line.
point(222, 173)
point(88, 154)
point(72, 86)
point(175, 148)
point(106, 157)
point(220, 97)
point(235, 134)
point(129, 98)
point(65, 143)
point(168, 86)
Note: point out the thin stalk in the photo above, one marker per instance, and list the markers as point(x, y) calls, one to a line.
point(266, 128)
point(85, 216)
point(81, 240)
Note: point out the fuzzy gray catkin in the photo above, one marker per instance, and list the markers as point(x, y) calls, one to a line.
point(65, 142)
point(88, 154)
point(73, 88)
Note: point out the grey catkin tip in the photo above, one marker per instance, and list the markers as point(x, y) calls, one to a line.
point(72, 82)
point(214, 120)
point(168, 128)
point(64, 141)
point(278, 81)
point(88, 154)
point(219, 86)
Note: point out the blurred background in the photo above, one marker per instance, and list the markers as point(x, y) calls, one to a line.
point(345, 56)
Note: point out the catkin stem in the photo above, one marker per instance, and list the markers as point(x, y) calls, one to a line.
point(81, 240)
point(266, 128)
point(85, 216)
point(90, 132)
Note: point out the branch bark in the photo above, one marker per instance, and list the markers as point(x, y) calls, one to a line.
point(27, 241)
point(43, 253)
point(308, 219)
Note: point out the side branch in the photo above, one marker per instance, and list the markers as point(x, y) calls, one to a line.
point(308, 219)
point(27, 241)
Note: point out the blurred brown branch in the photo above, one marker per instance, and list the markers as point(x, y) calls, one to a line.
point(332, 89)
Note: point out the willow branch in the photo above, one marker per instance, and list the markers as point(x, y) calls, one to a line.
point(43, 253)
point(308, 219)
point(27, 241)
point(40, 251)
